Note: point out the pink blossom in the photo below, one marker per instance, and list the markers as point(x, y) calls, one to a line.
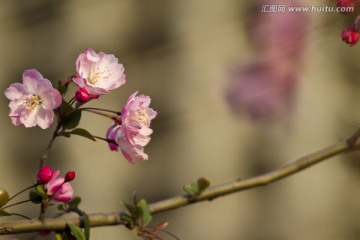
point(98, 73)
point(136, 117)
point(32, 102)
point(58, 189)
point(117, 140)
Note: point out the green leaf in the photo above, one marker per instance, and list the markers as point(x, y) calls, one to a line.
point(146, 214)
point(82, 132)
point(75, 202)
point(3, 213)
point(87, 226)
point(65, 108)
point(192, 189)
point(72, 120)
point(35, 196)
point(77, 232)
point(195, 189)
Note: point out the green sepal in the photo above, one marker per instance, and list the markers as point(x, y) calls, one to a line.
point(82, 132)
point(4, 213)
point(145, 210)
point(76, 232)
point(40, 190)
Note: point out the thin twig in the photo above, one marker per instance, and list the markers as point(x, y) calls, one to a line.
point(107, 219)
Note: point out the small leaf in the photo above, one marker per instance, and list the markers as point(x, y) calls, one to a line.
point(146, 214)
point(203, 184)
point(65, 108)
point(191, 189)
point(82, 132)
point(3, 213)
point(77, 232)
point(75, 202)
point(86, 226)
point(195, 189)
point(132, 210)
point(35, 196)
point(72, 120)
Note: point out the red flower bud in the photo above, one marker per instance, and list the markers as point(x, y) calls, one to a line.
point(350, 35)
point(82, 95)
point(69, 176)
point(44, 175)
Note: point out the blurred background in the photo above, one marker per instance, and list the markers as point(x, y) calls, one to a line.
point(238, 91)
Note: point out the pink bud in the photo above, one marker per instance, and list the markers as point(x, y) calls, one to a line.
point(350, 35)
point(44, 175)
point(69, 176)
point(82, 95)
point(342, 4)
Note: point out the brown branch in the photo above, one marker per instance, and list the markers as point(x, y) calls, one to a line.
point(106, 219)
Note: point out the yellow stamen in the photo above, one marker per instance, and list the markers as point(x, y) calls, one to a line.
point(33, 102)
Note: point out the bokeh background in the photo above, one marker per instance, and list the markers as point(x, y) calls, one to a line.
point(238, 93)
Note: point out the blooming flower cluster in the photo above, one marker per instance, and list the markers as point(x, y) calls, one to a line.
point(134, 132)
point(57, 188)
point(35, 101)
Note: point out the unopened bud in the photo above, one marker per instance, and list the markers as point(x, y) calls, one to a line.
point(69, 176)
point(44, 175)
point(4, 197)
point(350, 35)
point(82, 95)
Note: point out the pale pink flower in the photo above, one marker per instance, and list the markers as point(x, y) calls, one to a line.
point(58, 189)
point(117, 140)
point(136, 117)
point(32, 102)
point(98, 73)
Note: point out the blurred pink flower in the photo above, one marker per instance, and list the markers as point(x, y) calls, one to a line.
point(255, 90)
point(118, 140)
point(98, 73)
point(136, 117)
point(32, 102)
point(266, 87)
point(58, 189)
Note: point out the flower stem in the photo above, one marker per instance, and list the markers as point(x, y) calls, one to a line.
point(14, 204)
point(17, 194)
